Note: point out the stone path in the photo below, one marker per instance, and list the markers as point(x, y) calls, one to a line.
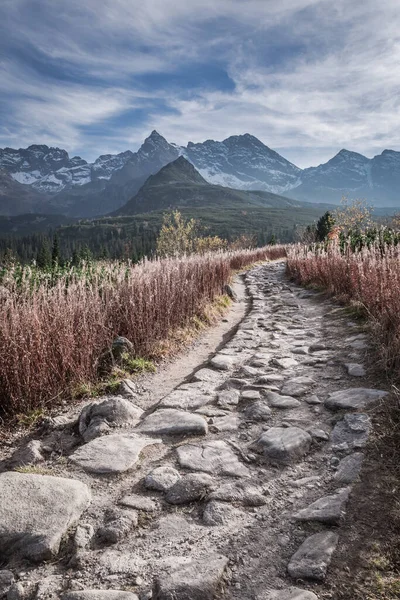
point(232, 486)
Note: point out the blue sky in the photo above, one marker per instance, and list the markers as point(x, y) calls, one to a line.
point(307, 77)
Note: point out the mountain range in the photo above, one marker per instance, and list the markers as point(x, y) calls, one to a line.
point(41, 179)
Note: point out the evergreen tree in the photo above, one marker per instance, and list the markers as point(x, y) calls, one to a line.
point(324, 226)
point(55, 252)
point(43, 259)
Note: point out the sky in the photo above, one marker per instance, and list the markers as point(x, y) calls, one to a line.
point(307, 77)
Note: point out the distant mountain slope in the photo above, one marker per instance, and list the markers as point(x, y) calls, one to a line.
point(16, 198)
point(179, 184)
point(242, 161)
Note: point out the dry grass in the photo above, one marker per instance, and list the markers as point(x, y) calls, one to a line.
point(53, 332)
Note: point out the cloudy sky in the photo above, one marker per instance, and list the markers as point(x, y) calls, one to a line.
point(307, 77)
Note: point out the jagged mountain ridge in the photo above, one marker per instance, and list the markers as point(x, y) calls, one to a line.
point(56, 183)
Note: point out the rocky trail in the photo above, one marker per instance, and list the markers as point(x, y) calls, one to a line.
point(232, 485)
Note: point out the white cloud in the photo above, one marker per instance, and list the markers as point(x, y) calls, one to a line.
point(337, 86)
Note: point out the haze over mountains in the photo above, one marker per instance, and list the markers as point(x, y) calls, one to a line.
point(40, 179)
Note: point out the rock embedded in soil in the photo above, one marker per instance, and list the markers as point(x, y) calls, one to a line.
point(83, 536)
point(246, 494)
point(355, 369)
point(111, 454)
point(284, 363)
point(169, 421)
point(99, 418)
point(215, 457)
point(312, 559)
point(351, 432)
point(288, 594)
point(138, 502)
point(354, 398)
point(190, 579)
point(119, 523)
point(185, 399)
point(297, 386)
point(99, 595)
point(285, 444)
point(228, 399)
point(36, 511)
point(207, 375)
point(6, 581)
point(222, 362)
point(349, 468)
point(161, 478)
point(190, 488)
point(328, 509)
point(30, 454)
point(258, 411)
point(220, 513)
point(285, 402)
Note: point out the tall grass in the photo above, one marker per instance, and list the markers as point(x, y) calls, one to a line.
point(54, 329)
point(369, 278)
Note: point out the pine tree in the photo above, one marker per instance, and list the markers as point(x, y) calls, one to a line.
point(43, 260)
point(55, 252)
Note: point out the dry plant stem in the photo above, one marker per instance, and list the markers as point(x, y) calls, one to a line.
point(53, 333)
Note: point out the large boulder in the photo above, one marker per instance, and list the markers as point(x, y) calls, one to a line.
point(36, 511)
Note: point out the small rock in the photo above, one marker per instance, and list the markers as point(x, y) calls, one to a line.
point(120, 346)
point(285, 444)
point(191, 487)
point(138, 502)
point(250, 395)
point(312, 559)
point(271, 378)
point(284, 363)
point(246, 494)
point(355, 369)
point(17, 592)
point(99, 418)
point(228, 398)
point(349, 468)
point(220, 513)
point(169, 421)
point(222, 362)
point(258, 411)
point(313, 400)
point(283, 402)
point(351, 432)
point(128, 389)
point(328, 509)
point(288, 594)
point(30, 454)
point(100, 595)
point(83, 536)
point(6, 581)
point(118, 525)
point(190, 579)
point(162, 478)
point(318, 434)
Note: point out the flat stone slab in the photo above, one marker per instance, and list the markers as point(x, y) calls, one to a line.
point(328, 509)
point(349, 468)
point(354, 398)
point(228, 398)
point(36, 511)
point(190, 579)
point(215, 457)
point(351, 432)
point(99, 418)
point(111, 454)
point(285, 444)
point(221, 513)
point(278, 401)
point(207, 375)
point(297, 386)
point(169, 421)
point(245, 493)
point(312, 559)
point(284, 363)
point(355, 369)
point(288, 594)
point(227, 423)
point(186, 400)
point(99, 595)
